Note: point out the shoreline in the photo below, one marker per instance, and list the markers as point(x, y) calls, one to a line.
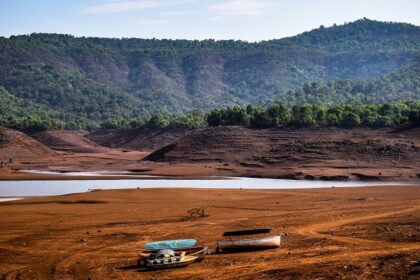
point(4, 199)
point(46, 174)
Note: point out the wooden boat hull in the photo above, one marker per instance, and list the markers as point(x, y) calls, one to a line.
point(161, 264)
point(249, 244)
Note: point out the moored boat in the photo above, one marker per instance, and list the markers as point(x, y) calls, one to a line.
point(248, 240)
point(168, 259)
point(198, 252)
point(179, 248)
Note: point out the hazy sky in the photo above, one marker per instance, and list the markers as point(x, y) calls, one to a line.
point(250, 20)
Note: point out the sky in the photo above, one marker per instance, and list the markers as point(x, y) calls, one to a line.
point(250, 20)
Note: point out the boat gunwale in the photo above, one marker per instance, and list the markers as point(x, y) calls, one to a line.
point(196, 249)
point(248, 232)
point(187, 260)
point(250, 239)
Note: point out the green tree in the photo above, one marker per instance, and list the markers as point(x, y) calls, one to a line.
point(351, 119)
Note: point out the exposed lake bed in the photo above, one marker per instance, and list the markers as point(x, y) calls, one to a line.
point(302, 154)
point(68, 214)
point(333, 232)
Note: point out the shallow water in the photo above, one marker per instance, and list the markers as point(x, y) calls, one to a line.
point(88, 173)
point(60, 187)
point(4, 199)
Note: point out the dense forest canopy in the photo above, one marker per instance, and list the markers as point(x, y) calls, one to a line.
point(401, 85)
point(343, 115)
point(55, 81)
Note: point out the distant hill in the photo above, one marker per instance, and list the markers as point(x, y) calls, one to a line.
point(402, 85)
point(88, 80)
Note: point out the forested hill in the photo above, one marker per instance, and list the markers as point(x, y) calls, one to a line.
point(96, 79)
point(402, 85)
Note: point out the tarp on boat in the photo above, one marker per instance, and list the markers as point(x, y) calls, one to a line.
point(170, 244)
point(247, 232)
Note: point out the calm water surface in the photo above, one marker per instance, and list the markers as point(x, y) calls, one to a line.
point(60, 187)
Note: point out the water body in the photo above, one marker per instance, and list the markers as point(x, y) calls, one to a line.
point(3, 199)
point(88, 173)
point(61, 187)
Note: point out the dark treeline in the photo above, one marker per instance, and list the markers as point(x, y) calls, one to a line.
point(193, 119)
point(24, 115)
point(277, 115)
point(334, 37)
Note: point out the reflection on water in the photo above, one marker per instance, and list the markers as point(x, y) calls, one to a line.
point(88, 173)
point(3, 199)
point(60, 187)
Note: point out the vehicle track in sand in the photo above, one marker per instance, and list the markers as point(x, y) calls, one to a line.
point(315, 230)
point(362, 248)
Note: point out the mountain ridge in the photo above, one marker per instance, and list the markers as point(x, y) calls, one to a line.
point(100, 78)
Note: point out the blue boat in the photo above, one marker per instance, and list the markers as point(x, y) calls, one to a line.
point(170, 244)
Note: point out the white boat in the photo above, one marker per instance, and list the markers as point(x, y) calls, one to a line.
point(244, 240)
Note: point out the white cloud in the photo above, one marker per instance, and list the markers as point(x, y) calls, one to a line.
point(182, 2)
point(175, 13)
point(238, 8)
point(120, 7)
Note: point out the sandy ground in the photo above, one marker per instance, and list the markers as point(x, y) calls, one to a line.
point(335, 233)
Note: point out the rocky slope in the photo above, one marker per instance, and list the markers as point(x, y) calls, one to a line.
point(70, 141)
point(137, 139)
point(350, 154)
point(17, 145)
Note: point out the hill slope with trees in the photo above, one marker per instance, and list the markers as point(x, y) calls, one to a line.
point(86, 81)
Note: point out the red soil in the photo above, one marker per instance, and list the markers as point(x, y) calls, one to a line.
point(357, 154)
point(69, 141)
point(137, 139)
point(335, 233)
point(17, 145)
point(331, 233)
point(327, 154)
